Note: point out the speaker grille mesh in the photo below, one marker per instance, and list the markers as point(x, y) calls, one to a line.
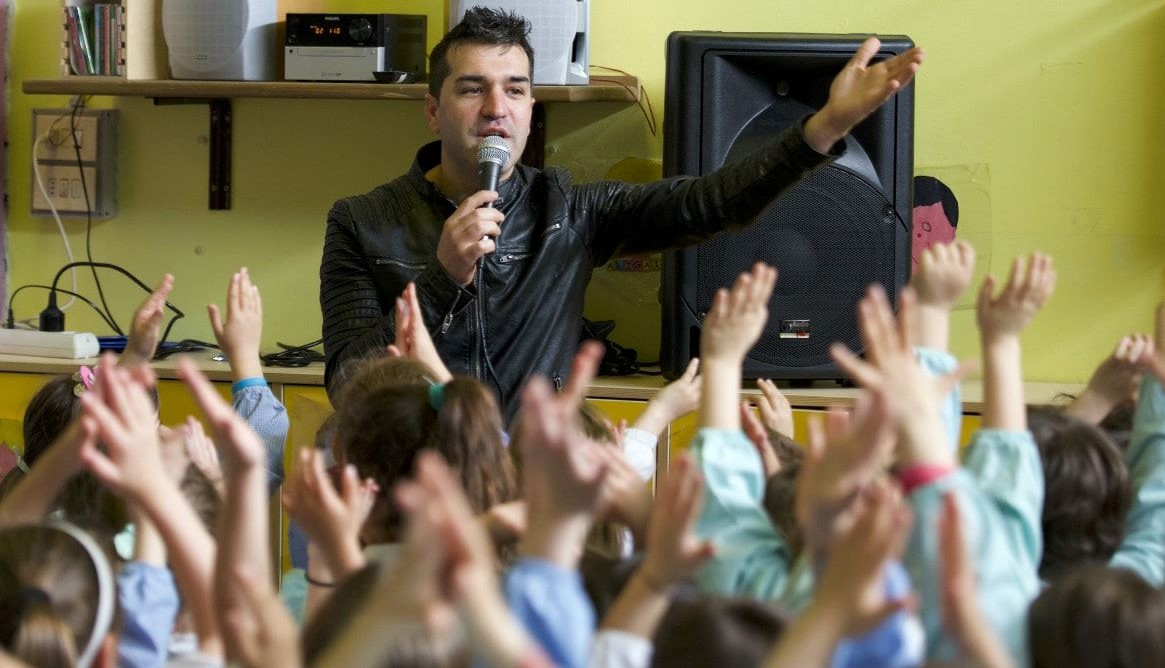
point(830, 237)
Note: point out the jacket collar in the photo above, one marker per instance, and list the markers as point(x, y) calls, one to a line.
point(429, 156)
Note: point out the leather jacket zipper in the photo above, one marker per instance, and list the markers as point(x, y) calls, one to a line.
point(448, 321)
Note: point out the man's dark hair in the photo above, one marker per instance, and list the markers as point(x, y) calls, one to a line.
point(1086, 491)
point(481, 25)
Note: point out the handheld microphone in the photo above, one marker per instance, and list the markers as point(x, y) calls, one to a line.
point(492, 154)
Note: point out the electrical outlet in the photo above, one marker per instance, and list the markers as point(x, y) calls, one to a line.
point(64, 188)
point(56, 126)
point(73, 155)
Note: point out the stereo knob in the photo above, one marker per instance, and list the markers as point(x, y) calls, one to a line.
point(360, 29)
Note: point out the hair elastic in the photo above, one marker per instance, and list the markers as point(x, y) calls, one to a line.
point(436, 396)
point(83, 380)
point(33, 595)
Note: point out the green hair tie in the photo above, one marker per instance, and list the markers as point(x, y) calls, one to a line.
point(436, 396)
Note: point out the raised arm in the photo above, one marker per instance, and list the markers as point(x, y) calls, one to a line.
point(142, 343)
point(239, 336)
point(963, 617)
point(674, 552)
point(926, 469)
point(682, 211)
point(858, 90)
point(732, 327)
point(1116, 380)
point(131, 465)
point(242, 527)
point(412, 337)
point(751, 557)
point(943, 274)
point(1142, 549)
point(562, 478)
point(331, 519)
point(33, 496)
point(851, 596)
point(1001, 320)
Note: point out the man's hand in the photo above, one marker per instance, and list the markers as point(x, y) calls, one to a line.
point(858, 90)
point(469, 234)
point(147, 322)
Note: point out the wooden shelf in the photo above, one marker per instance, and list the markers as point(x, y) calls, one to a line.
point(602, 89)
point(218, 95)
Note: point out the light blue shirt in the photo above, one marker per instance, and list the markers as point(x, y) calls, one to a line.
point(553, 606)
point(149, 605)
point(265, 414)
point(1143, 548)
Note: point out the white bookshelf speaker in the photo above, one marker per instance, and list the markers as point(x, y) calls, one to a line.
point(232, 40)
point(559, 33)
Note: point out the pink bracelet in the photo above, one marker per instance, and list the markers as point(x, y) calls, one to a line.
point(916, 476)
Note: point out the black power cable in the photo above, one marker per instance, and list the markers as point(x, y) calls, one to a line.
point(11, 323)
point(106, 265)
point(89, 213)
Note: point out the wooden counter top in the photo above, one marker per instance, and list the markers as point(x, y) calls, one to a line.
point(821, 395)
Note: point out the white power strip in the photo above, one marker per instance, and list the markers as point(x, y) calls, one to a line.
point(67, 345)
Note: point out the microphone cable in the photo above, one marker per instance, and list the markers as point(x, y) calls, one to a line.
point(480, 280)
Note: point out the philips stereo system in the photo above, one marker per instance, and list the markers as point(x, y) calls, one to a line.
point(355, 47)
point(237, 40)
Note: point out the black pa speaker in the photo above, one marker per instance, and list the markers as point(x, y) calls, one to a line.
point(845, 226)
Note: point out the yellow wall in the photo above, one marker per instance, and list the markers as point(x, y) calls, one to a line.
point(1045, 116)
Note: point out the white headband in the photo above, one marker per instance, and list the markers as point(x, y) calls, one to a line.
point(106, 592)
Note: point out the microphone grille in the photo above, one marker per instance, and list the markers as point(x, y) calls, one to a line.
point(493, 149)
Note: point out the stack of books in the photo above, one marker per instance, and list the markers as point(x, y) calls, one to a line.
point(94, 39)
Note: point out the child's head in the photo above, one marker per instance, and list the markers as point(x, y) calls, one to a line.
point(414, 644)
point(357, 377)
point(1097, 616)
point(84, 501)
point(49, 414)
point(710, 631)
point(202, 495)
point(780, 503)
point(781, 490)
point(1118, 424)
point(1086, 491)
point(382, 432)
point(58, 598)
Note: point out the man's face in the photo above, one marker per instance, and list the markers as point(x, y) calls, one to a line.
point(487, 92)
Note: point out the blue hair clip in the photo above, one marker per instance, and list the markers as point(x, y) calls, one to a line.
point(436, 396)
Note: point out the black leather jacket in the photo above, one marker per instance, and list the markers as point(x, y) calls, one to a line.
point(555, 232)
